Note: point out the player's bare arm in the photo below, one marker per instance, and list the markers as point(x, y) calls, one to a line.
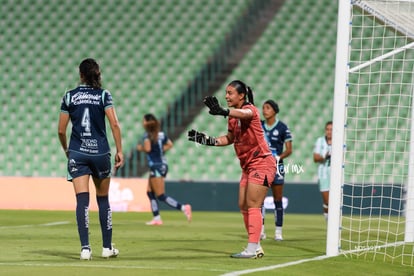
point(225, 139)
point(243, 114)
point(116, 133)
point(167, 145)
point(62, 126)
point(287, 151)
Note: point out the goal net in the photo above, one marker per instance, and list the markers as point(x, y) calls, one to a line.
point(373, 137)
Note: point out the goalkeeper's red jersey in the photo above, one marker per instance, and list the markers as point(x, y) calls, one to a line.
point(249, 141)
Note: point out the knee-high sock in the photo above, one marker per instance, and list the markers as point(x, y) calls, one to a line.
point(170, 201)
point(278, 213)
point(105, 220)
point(82, 218)
point(153, 203)
point(245, 219)
point(255, 224)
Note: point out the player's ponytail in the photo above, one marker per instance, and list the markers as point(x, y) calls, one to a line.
point(249, 93)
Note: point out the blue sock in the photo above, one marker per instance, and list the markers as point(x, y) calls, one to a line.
point(279, 213)
point(153, 203)
point(82, 218)
point(170, 201)
point(105, 220)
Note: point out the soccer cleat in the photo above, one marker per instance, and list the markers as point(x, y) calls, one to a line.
point(187, 212)
point(259, 252)
point(278, 235)
point(245, 255)
point(154, 222)
point(86, 254)
point(110, 252)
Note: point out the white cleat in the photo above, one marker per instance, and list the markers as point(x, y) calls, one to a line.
point(86, 254)
point(110, 252)
point(259, 252)
point(278, 236)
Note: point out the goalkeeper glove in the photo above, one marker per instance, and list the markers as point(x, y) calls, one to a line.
point(201, 138)
point(215, 109)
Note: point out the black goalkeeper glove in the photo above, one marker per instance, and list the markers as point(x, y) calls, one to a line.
point(201, 138)
point(215, 109)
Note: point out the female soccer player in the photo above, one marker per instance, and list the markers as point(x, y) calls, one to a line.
point(322, 156)
point(258, 165)
point(155, 143)
point(277, 135)
point(88, 153)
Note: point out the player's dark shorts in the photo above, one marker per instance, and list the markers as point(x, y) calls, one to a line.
point(280, 175)
point(158, 170)
point(80, 164)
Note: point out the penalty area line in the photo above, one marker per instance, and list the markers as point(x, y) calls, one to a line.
point(265, 268)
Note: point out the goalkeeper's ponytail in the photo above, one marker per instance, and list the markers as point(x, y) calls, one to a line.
point(249, 95)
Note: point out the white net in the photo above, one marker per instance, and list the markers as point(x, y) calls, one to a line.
point(378, 128)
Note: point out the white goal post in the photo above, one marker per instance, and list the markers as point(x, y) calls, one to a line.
point(371, 204)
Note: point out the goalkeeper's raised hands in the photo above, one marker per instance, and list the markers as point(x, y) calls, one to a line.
point(201, 138)
point(215, 109)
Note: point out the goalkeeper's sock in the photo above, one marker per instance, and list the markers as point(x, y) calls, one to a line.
point(255, 225)
point(153, 203)
point(82, 218)
point(245, 219)
point(105, 220)
point(170, 201)
point(278, 213)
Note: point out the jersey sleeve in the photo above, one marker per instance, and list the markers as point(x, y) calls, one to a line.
point(64, 104)
point(107, 99)
point(165, 139)
point(288, 135)
point(317, 148)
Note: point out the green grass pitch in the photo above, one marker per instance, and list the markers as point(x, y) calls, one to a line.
point(46, 243)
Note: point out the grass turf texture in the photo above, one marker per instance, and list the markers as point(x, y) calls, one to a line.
point(46, 243)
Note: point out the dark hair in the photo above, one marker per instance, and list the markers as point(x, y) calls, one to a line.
point(273, 104)
point(90, 72)
point(152, 127)
point(242, 88)
point(328, 123)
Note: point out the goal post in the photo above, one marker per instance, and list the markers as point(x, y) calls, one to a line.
point(371, 204)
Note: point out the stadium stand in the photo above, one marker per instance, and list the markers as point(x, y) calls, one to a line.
point(293, 62)
point(150, 53)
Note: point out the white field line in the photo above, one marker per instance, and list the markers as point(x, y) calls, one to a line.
point(265, 268)
point(35, 225)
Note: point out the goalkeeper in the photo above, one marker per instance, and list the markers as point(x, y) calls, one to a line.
point(258, 165)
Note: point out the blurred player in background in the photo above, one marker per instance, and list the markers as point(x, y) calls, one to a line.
point(155, 143)
point(88, 153)
point(322, 156)
point(258, 165)
point(277, 135)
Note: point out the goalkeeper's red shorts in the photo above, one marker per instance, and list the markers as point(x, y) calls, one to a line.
point(262, 173)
